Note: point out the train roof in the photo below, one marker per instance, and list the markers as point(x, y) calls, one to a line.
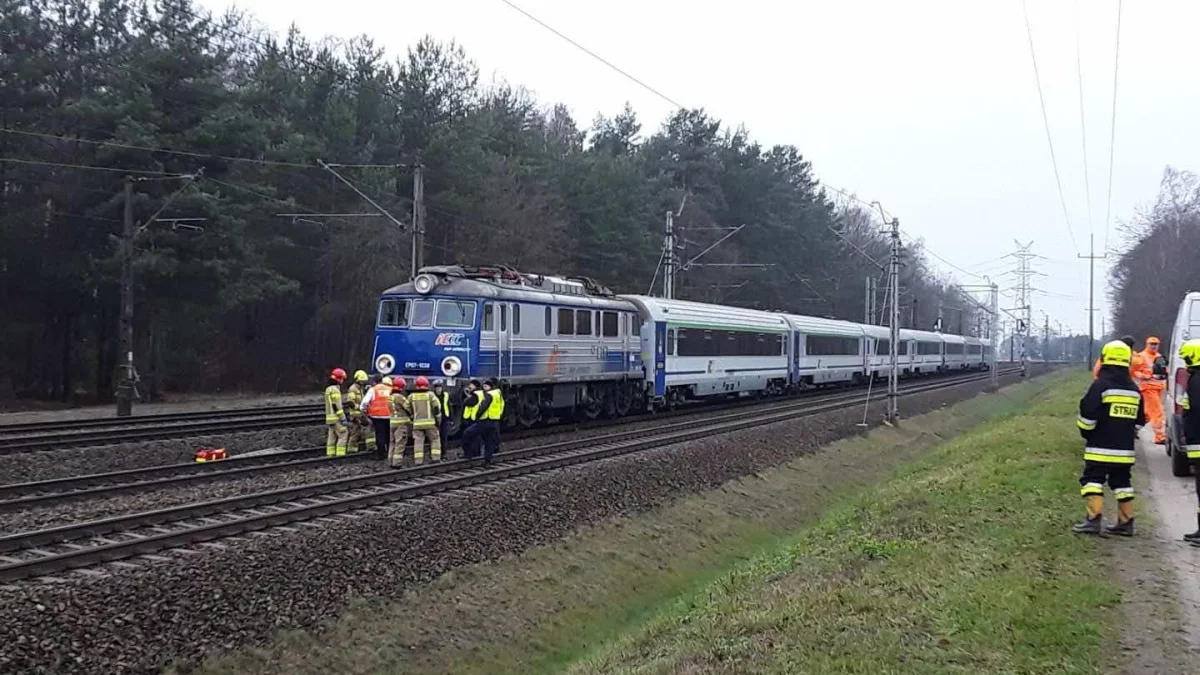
point(704, 315)
point(877, 332)
point(814, 325)
point(454, 282)
point(953, 339)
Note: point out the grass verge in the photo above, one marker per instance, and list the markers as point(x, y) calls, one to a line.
point(592, 599)
point(962, 563)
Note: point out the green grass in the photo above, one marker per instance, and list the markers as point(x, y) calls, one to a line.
point(961, 563)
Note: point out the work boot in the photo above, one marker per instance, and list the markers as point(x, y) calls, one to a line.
point(1124, 529)
point(1192, 537)
point(1088, 526)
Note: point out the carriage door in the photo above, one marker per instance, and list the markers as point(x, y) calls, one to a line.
point(504, 352)
point(494, 335)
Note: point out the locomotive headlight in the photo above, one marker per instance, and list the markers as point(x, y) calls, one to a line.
point(385, 364)
point(424, 283)
point(451, 366)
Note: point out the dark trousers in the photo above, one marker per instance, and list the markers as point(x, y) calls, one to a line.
point(491, 439)
point(383, 434)
point(472, 437)
point(1116, 475)
point(444, 431)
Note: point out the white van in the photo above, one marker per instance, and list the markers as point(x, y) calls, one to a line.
point(1187, 326)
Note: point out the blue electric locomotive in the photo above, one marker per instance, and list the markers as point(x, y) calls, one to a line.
point(558, 345)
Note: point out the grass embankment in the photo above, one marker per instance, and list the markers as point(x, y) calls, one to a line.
point(961, 560)
point(962, 563)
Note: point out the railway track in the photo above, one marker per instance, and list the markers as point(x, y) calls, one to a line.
point(36, 436)
point(19, 496)
point(67, 547)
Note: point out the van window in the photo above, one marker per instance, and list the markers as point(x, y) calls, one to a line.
point(422, 314)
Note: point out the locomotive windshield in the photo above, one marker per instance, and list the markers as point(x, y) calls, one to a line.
point(393, 313)
point(454, 314)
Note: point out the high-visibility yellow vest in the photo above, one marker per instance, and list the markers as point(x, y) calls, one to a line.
point(333, 404)
point(422, 404)
point(444, 399)
point(471, 410)
point(495, 411)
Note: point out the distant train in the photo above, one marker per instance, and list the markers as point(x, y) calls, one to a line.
point(568, 346)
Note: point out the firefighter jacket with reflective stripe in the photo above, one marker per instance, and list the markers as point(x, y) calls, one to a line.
point(425, 409)
point(1109, 415)
point(354, 397)
point(471, 410)
point(378, 402)
point(399, 408)
point(333, 405)
point(493, 407)
point(1191, 414)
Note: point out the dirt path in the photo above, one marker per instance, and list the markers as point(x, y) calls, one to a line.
point(1161, 632)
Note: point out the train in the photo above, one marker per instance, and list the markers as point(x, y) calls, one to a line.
point(568, 346)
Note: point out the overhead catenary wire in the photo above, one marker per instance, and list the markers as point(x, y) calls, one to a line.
point(112, 169)
point(1112, 140)
point(1046, 123)
point(1087, 187)
point(594, 55)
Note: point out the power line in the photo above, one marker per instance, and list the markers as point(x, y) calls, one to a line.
point(14, 160)
point(1112, 141)
point(184, 153)
point(594, 55)
point(1087, 188)
point(1046, 122)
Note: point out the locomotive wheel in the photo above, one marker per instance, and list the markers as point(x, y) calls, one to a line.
point(624, 401)
point(528, 413)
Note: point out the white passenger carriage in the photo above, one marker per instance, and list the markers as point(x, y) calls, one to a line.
point(954, 351)
point(826, 351)
point(693, 349)
point(978, 353)
point(877, 345)
point(925, 349)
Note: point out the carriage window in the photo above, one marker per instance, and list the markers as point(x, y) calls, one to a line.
point(422, 314)
point(883, 347)
point(609, 323)
point(975, 349)
point(489, 316)
point(673, 337)
point(566, 322)
point(822, 345)
point(549, 322)
point(929, 348)
point(516, 319)
point(953, 348)
point(503, 317)
point(393, 313)
point(454, 314)
point(583, 322)
point(635, 326)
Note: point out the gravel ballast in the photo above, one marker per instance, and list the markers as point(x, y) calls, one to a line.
point(239, 591)
point(48, 464)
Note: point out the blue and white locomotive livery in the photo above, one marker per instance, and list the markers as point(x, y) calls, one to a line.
point(568, 346)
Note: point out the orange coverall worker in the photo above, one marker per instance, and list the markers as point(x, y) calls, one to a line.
point(1151, 384)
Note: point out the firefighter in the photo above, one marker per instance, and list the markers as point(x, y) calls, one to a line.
point(377, 405)
point(426, 413)
point(1190, 353)
point(1128, 339)
point(1150, 373)
point(401, 423)
point(359, 427)
point(443, 398)
point(472, 435)
point(335, 415)
point(491, 411)
point(1110, 414)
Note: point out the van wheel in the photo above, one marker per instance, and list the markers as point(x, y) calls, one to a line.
point(1179, 462)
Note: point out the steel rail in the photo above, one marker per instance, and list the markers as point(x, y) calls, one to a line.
point(156, 418)
point(147, 532)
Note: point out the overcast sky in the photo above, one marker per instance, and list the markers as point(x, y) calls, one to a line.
point(929, 107)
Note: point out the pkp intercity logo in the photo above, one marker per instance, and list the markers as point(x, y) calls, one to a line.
point(449, 339)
